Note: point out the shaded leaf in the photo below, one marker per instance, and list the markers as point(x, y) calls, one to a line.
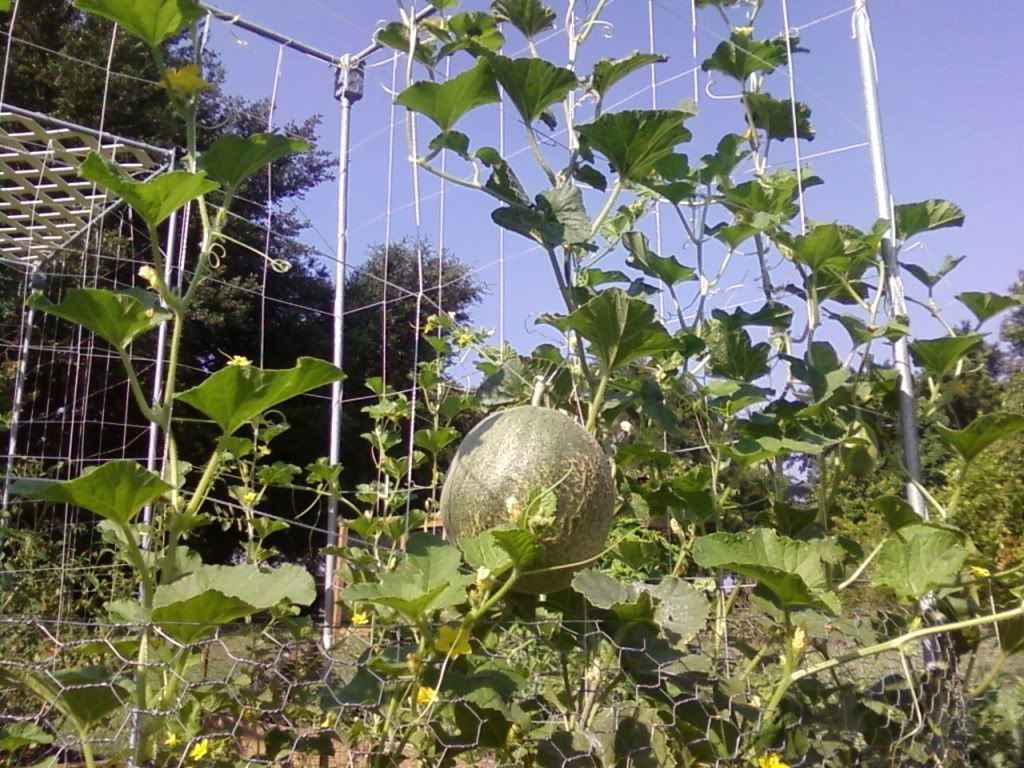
point(929, 279)
point(531, 17)
point(503, 181)
point(117, 490)
point(473, 31)
point(454, 140)
point(116, 317)
point(396, 35)
point(607, 72)
point(154, 200)
point(772, 315)
point(635, 141)
point(775, 117)
point(734, 355)
point(741, 56)
point(915, 218)
point(985, 305)
point(17, 735)
point(981, 433)
point(532, 85)
point(557, 218)
point(665, 268)
point(444, 103)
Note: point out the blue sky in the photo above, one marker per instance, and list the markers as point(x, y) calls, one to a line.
point(951, 109)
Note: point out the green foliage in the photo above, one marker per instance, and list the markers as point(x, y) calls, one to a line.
point(914, 218)
point(116, 317)
point(635, 141)
point(153, 21)
point(444, 103)
point(232, 159)
point(531, 17)
point(532, 85)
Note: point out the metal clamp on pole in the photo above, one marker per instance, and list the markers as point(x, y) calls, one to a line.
point(349, 81)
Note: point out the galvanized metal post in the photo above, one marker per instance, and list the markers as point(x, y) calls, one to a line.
point(33, 281)
point(894, 282)
point(348, 90)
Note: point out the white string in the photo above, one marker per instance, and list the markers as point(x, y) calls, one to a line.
point(387, 222)
point(791, 76)
point(696, 56)
point(7, 52)
point(654, 105)
point(271, 107)
point(501, 238)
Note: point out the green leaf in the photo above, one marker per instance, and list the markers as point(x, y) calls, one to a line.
point(981, 433)
point(940, 356)
point(17, 735)
point(922, 558)
point(435, 440)
point(428, 580)
point(896, 511)
point(474, 31)
point(531, 17)
point(154, 200)
point(861, 333)
point(985, 305)
point(117, 490)
point(608, 72)
point(154, 21)
point(793, 571)
point(454, 140)
point(603, 591)
point(5, 5)
point(483, 551)
point(772, 315)
point(775, 117)
point(620, 329)
point(821, 370)
point(446, 102)
point(931, 280)
point(116, 317)
point(235, 395)
point(741, 56)
point(395, 35)
point(822, 248)
point(532, 85)
point(521, 546)
point(88, 694)
point(589, 175)
point(214, 595)
point(915, 218)
point(502, 182)
point(665, 268)
point(734, 354)
point(557, 218)
point(232, 159)
point(682, 609)
point(635, 141)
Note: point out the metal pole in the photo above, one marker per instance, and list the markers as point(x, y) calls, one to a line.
point(348, 90)
point(894, 282)
point(33, 281)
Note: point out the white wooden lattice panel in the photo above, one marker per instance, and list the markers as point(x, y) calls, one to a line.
point(44, 202)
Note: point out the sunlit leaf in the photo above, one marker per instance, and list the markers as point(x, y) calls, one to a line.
point(232, 159)
point(620, 329)
point(116, 317)
point(665, 268)
point(921, 558)
point(775, 117)
point(608, 72)
point(531, 17)
point(793, 571)
point(473, 31)
point(634, 141)
point(396, 35)
point(444, 103)
point(434, 441)
point(915, 218)
point(117, 490)
point(235, 395)
point(503, 182)
point(896, 511)
point(981, 433)
point(154, 21)
point(985, 305)
point(940, 356)
point(154, 200)
point(532, 85)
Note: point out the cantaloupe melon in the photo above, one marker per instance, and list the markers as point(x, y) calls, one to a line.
point(522, 451)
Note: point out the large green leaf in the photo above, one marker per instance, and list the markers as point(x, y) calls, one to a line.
point(931, 279)
point(446, 102)
point(915, 218)
point(681, 609)
point(771, 314)
point(396, 35)
point(154, 200)
point(557, 218)
point(981, 433)
point(734, 354)
point(607, 72)
point(775, 117)
point(921, 558)
point(939, 356)
point(473, 31)
point(154, 21)
point(532, 85)
point(428, 580)
point(822, 248)
point(117, 317)
point(793, 571)
point(985, 305)
point(117, 490)
point(531, 17)
point(635, 141)
point(232, 159)
point(500, 549)
point(235, 395)
point(214, 595)
point(741, 56)
point(88, 694)
point(821, 370)
point(665, 268)
point(620, 328)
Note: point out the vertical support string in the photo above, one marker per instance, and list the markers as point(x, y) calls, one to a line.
point(7, 56)
point(694, 52)
point(387, 222)
point(654, 105)
point(791, 74)
point(271, 107)
point(501, 238)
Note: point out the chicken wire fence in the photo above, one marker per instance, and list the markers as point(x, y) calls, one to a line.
point(294, 692)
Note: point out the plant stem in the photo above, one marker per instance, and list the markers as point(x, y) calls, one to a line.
point(862, 567)
point(606, 209)
point(597, 403)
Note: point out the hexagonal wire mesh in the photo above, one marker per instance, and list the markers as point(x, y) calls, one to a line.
point(269, 693)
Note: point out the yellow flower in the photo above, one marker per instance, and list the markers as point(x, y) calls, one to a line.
point(249, 498)
point(426, 696)
point(978, 572)
point(746, 32)
point(799, 639)
point(172, 740)
point(360, 618)
point(453, 639)
point(186, 80)
point(771, 761)
point(239, 361)
point(200, 750)
point(147, 273)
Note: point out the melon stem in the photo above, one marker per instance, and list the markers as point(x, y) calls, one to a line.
point(597, 403)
